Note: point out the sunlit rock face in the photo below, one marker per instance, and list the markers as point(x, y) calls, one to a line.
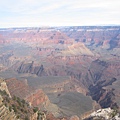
point(107, 114)
point(22, 90)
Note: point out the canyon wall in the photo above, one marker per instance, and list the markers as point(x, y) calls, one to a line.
point(88, 55)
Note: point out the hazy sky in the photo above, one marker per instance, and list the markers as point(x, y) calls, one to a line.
point(21, 13)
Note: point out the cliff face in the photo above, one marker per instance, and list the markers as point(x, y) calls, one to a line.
point(38, 99)
point(20, 89)
point(29, 68)
point(106, 37)
point(105, 97)
point(98, 74)
point(3, 87)
point(5, 113)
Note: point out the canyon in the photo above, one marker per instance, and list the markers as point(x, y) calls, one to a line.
point(65, 71)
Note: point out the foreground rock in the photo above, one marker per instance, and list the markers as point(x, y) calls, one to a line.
point(104, 114)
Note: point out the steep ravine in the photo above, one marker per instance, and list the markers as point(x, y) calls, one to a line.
point(96, 75)
point(99, 90)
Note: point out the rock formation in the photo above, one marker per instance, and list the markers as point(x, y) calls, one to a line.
point(5, 113)
point(3, 87)
point(35, 97)
point(88, 56)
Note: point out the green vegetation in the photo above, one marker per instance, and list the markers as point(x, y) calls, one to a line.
point(10, 108)
point(35, 109)
point(3, 93)
point(114, 113)
point(26, 118)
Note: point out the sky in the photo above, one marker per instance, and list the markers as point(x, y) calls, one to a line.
point(36, 13)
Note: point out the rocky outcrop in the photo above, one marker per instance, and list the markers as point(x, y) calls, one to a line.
point(14, 108)
point(29, 68)
point(104, 114)
point(3, 87)
point(5, 113)
point(34, 116)
point(74, 118)
point(76, 50)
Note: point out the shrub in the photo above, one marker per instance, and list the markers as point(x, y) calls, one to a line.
point(15, 109)
point(26, 118)
point(23, 101)
point(10, 108)
point(35, 109)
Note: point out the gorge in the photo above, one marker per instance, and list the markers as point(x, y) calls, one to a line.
point(64, 71)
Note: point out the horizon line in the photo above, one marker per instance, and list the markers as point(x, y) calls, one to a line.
point(48, 26)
